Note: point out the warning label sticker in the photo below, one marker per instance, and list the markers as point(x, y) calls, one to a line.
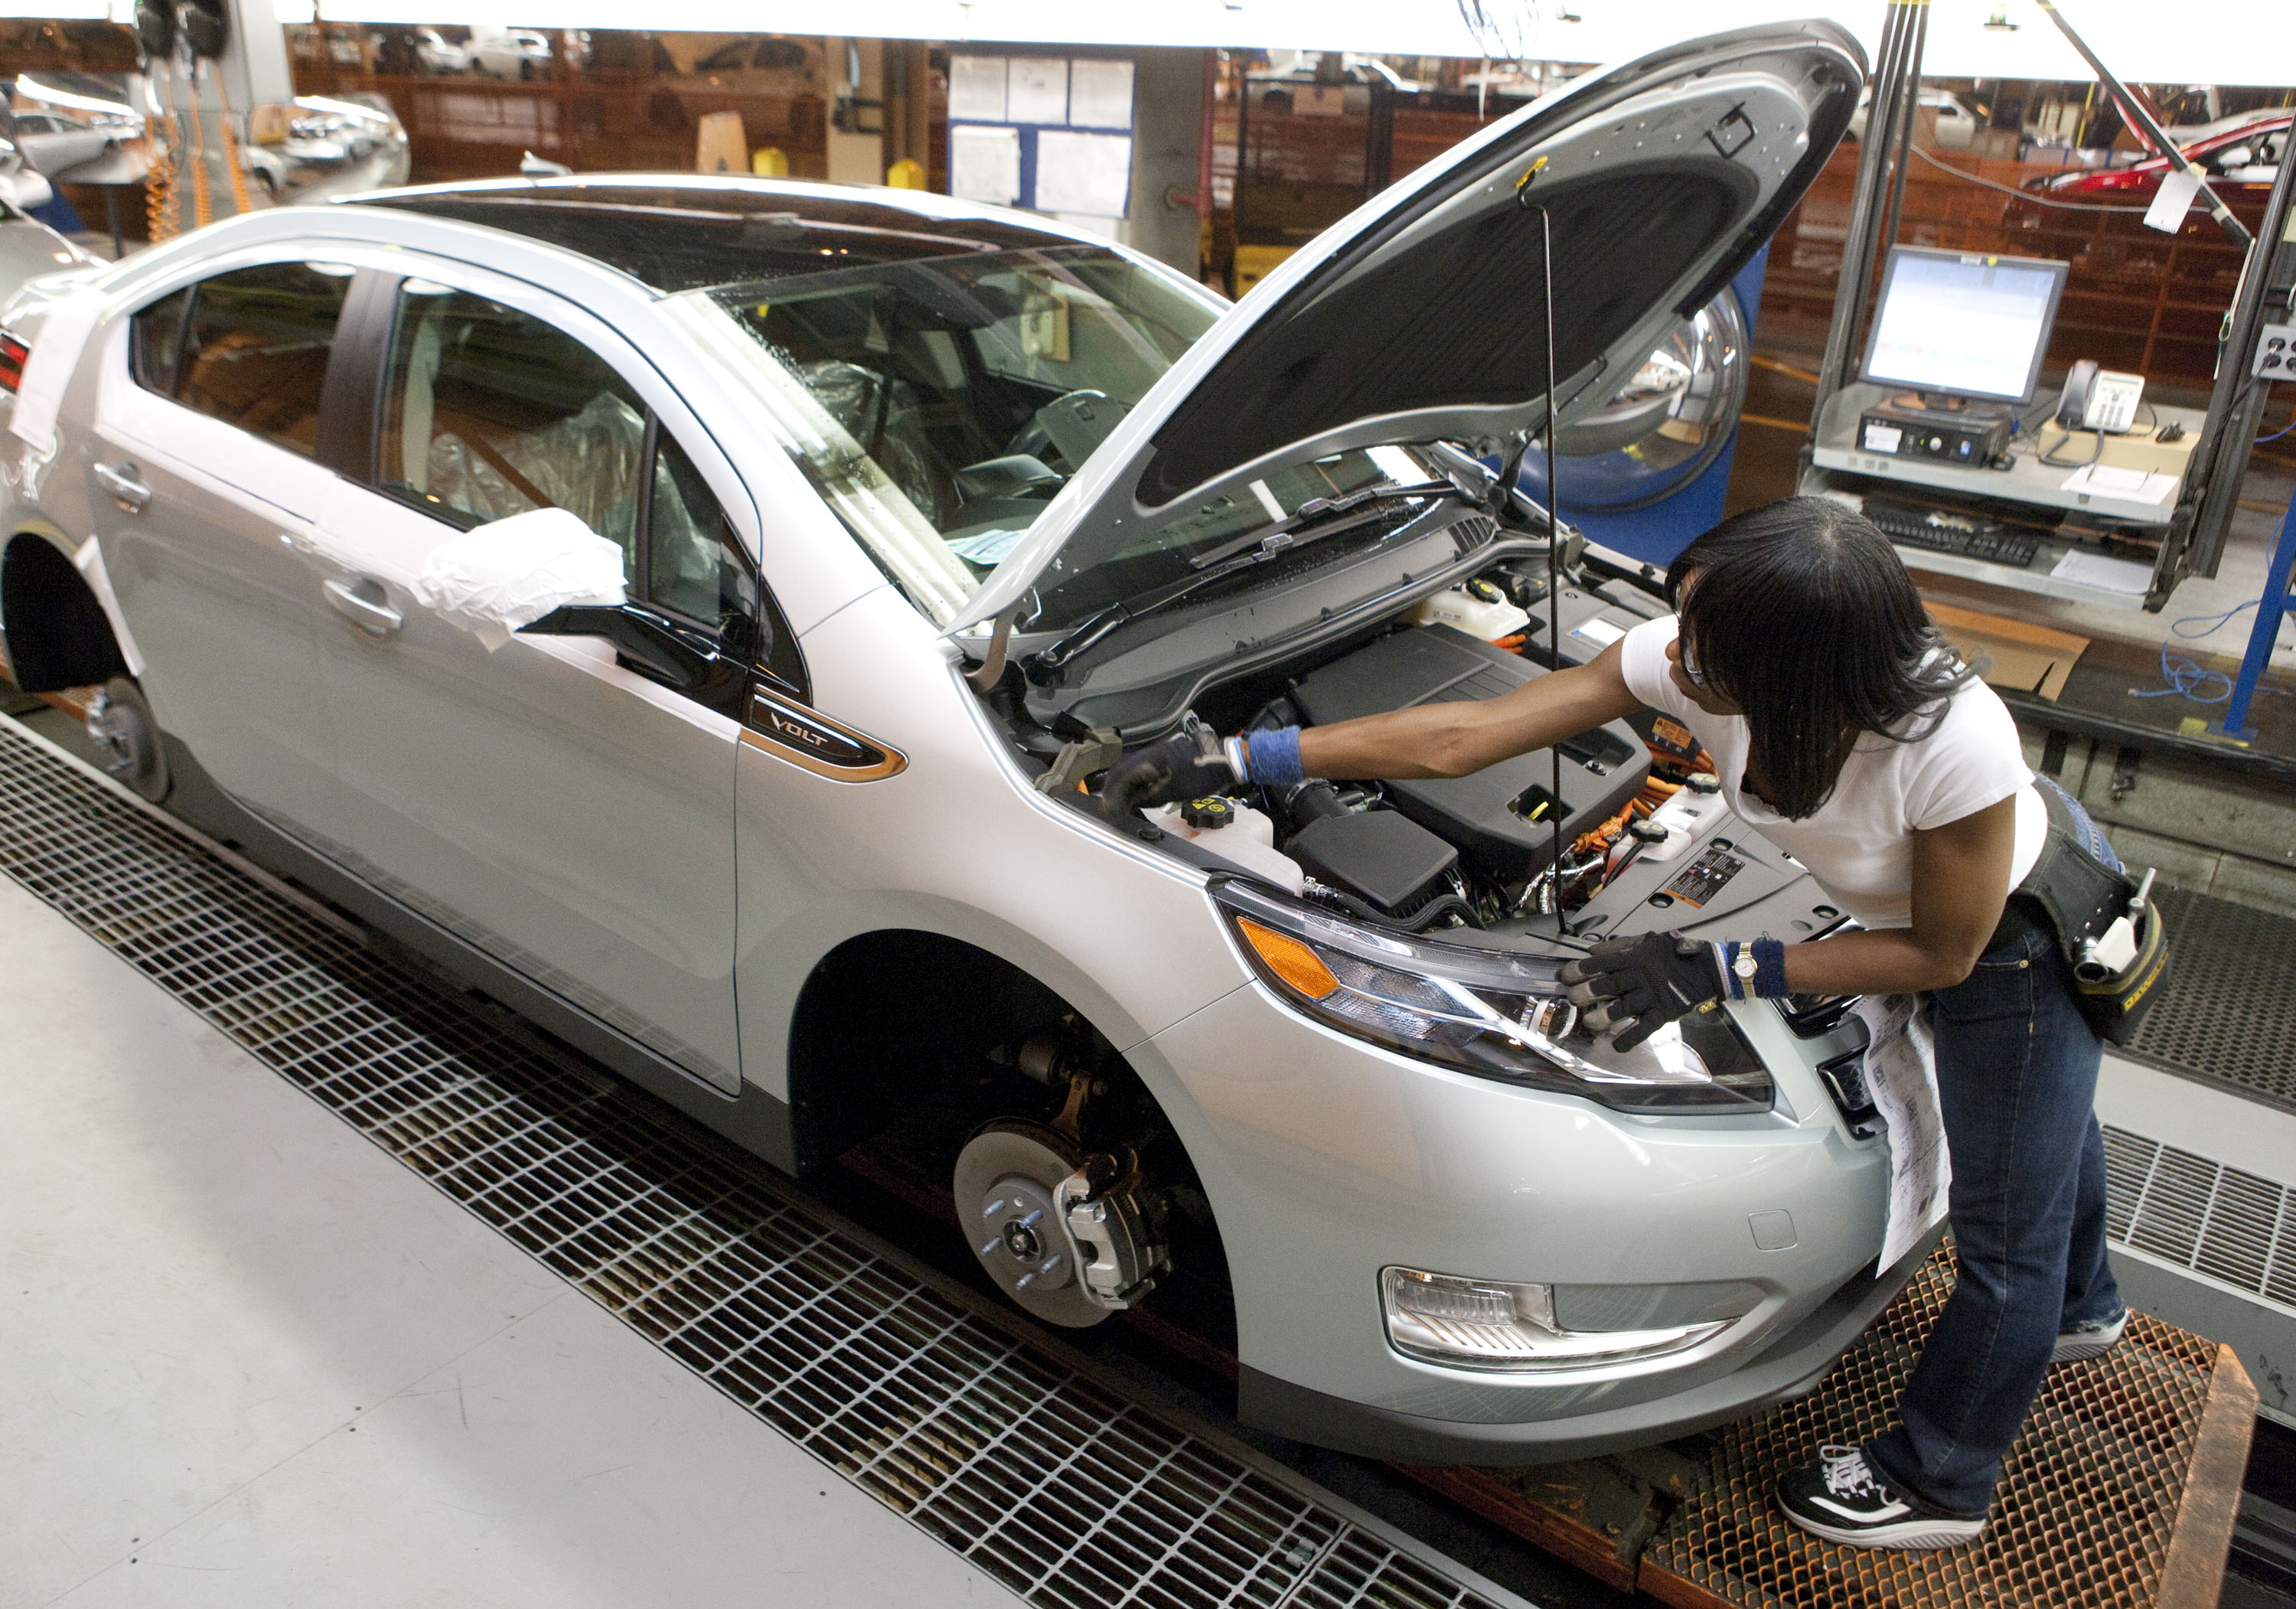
point(1705, 876)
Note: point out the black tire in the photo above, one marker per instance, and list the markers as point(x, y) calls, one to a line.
point(121, 723)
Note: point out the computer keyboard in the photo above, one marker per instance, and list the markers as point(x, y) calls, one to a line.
point(1969, 535)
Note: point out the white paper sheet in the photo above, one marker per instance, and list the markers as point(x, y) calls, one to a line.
point(1088, 173)
point(1100, 95)
point(984, 163)
point(2108, 480)
point(2171, 202)
point(1037, 90)
point(990, 547)
point(1901, 1080)
point(976, 89)
point(2113, 575)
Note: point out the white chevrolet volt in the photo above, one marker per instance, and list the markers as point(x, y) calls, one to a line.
point(698, 612)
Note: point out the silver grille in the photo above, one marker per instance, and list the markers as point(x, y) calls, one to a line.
point(2199, 1214)
point(1012, 1452)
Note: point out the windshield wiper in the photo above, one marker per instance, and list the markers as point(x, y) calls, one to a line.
point(1318, 519)
point(1285, 533)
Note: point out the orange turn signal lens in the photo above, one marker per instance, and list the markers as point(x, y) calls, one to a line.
point(1289, 959)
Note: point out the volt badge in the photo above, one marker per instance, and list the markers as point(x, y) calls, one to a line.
point(789, 731)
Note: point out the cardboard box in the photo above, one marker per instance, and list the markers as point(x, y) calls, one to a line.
point(2026, 659)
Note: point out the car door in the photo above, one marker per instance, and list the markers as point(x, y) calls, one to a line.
point(562, 810)
point(203, 474)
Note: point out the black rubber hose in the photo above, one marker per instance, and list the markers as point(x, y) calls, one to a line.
point(1418, 922)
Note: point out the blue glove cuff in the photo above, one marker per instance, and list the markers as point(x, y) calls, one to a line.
point(1275, 757)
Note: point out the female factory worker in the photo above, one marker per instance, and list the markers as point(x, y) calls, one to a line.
point(1846, 731)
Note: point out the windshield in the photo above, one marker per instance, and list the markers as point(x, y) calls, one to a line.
point(938, 403)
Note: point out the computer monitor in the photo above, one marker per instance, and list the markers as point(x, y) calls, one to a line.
point(1963, 324)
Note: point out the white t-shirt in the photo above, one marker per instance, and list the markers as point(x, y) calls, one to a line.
point(1859, 843)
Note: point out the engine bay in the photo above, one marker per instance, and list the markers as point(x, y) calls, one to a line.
point(1623, 829)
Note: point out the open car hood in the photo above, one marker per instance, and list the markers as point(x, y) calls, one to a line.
point(1421, 315)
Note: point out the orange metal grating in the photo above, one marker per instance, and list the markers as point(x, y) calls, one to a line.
point(2117, 1495)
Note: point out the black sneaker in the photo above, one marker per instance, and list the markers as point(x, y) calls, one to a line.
point(1841, 1499)
point(2090, 1340)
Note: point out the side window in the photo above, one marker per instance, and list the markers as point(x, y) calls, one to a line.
point(488, 412)
point(155, 342)
point(255, 353)
point(685, 538)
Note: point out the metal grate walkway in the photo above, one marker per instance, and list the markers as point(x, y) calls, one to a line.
point(1014, 1453)
point(2228, 1009)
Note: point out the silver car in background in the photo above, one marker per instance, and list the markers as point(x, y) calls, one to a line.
point(914, 514)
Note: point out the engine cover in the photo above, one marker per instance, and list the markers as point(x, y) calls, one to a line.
point(1502, 815)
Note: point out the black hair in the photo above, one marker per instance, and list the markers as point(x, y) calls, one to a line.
point(1803, 615)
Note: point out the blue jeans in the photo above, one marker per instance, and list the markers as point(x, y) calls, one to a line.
point(2017, 1068)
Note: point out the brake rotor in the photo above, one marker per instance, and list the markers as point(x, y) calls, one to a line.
point(1007, 1187)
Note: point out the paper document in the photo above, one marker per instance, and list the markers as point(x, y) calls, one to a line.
point(2112, 575)
point(1901, 1081)
point(1100, 93)
point(984, 164)
point(1086, 173)
point(2171, 202)
point(990, 547)
point(1037, 90)
point(2106, 480)
point(976, 89)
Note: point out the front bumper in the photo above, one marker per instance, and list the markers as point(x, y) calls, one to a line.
point(1791, 1366)
point(1328, 1159)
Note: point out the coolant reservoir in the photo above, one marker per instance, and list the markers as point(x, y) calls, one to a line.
point(1688, 816)
point(1239, 835)
point(1486, 618)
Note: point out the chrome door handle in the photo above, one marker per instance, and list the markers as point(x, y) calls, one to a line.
point(126, 490)
point(373, 615)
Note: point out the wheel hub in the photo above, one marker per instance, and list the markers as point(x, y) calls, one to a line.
point(1070, 1260)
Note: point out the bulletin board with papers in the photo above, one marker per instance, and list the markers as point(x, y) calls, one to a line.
point(1052, 134)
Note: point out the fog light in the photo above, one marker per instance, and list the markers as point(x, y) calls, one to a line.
point(1485, 1323)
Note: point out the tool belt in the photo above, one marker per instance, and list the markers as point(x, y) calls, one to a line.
point(2113, 935)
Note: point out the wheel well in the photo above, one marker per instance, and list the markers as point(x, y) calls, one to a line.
point(891, 1018)
point(57, 633)
point(906, 1044)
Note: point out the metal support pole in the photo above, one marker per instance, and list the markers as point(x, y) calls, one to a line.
point(1901, 131)
point(1868, 197)
point(2220, 456)
point(2276, 604)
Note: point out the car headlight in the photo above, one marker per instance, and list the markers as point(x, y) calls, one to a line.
point(1491, 1012)
point(1491, 1324)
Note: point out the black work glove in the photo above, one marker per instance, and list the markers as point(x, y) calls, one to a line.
point(1631, 987)
point(1186, 765)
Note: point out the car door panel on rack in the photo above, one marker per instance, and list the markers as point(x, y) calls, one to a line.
point(541, 800)
point(202, 483)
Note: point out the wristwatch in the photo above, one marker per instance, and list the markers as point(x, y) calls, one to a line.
point(1744, 967)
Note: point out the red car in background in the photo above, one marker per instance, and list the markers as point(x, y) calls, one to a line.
point(2240, 164)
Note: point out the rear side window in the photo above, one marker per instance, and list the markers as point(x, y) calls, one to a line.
point(156, 341)
point(255, 348)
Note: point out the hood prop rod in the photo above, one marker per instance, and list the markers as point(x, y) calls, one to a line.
point(1506, 492)
point(985, 675)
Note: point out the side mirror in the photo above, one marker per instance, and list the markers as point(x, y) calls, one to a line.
point(637, 633)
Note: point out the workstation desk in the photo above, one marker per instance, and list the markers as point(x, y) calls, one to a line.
point(2029, 494)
